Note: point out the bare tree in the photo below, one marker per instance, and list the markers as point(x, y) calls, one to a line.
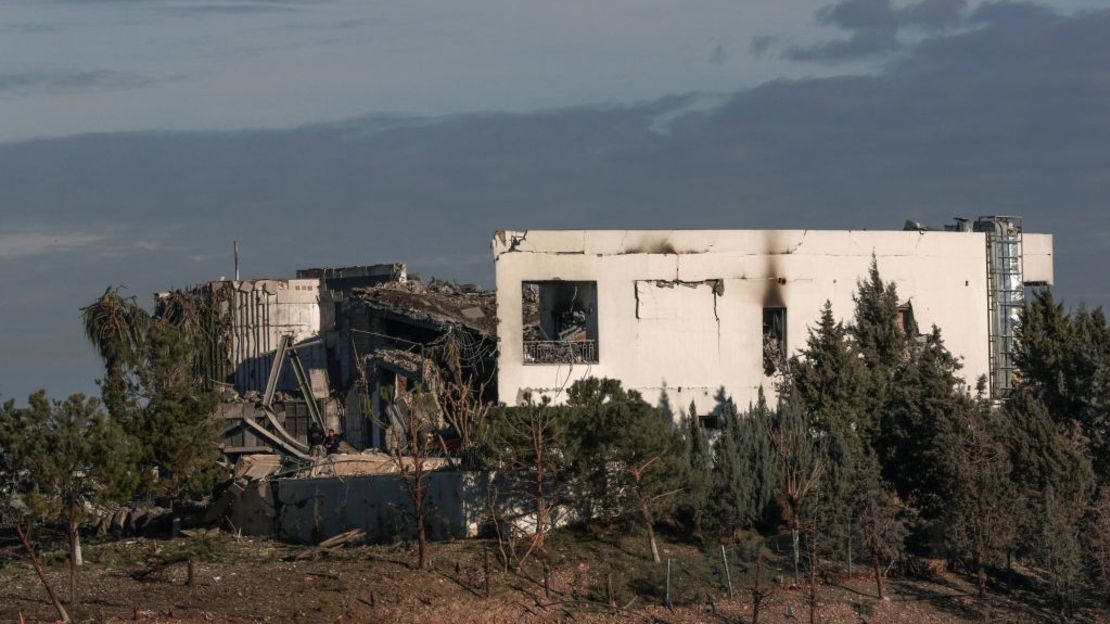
point(414, 419)
point(459, 385)
point(528, 444)
point(801, 462)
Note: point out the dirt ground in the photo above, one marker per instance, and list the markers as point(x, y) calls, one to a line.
point(252, 580)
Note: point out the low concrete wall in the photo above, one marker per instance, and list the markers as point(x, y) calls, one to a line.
point(309, 510)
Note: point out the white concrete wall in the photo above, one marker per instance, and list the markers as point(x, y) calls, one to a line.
point(264, 310)
point(693, 341)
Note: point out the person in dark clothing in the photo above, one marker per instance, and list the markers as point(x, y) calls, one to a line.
point(331, 442)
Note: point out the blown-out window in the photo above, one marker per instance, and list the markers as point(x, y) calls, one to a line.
point(774, 339)
point(560, 322)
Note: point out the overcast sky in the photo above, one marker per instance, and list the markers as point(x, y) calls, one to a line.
point(139, 138)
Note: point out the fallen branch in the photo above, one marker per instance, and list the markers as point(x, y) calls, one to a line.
point(42, 575)
point(343, 538)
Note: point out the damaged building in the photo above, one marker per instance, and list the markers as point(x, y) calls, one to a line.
point(329, 349)
point(694, 311)
point(685, 311)
point(398, 336)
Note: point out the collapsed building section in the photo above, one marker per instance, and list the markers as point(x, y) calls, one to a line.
point(330, 350)
point(402, 335)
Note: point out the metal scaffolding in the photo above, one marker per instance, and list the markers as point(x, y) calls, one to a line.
point(1005, 297)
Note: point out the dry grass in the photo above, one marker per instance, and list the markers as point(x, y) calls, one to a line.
point(262, 581)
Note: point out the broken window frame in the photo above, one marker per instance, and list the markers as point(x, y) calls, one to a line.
point(906, 321)
point(552, 346)
point(774, 339)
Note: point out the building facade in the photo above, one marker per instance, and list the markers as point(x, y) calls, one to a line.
point(695, 311)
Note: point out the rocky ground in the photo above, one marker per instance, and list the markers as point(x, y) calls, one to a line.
point(252, 580)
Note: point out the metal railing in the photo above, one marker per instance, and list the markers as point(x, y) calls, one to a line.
point(560, 351)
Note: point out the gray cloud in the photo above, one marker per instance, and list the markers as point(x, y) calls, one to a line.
point(761, 44)
point(874, 26)
point(1009, 117)
point(934, 14)
point(719, 55)
point(16, 84)
point(31, 243)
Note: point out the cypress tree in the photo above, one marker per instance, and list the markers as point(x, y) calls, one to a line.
point(743, 480)
point(980, 496)
point(1044, 457)
point(830, 379)
point(830, 382)
point(917, 425)
point(1064, 361)
point(758, 447)
point(699, 467)
point(875, 330)
point(728, 504)
point(879, 527)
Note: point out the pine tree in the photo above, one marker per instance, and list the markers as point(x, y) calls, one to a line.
point(176, 429)
point(532, 445)
point(76, 456)
point(648, 454)
point(590, 425)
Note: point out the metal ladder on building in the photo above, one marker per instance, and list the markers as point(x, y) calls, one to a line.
point(1005, 297)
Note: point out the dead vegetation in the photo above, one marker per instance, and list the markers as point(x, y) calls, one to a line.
point(580, 577)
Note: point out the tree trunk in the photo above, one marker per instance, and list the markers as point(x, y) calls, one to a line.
point(757, 593)
point(813, 573)
point(651, 534)
point(62, 615)
point(421, 535)
point(74, 559)
point(878, 573)
point(541, 500)
point(794, 543)
point(981, 573)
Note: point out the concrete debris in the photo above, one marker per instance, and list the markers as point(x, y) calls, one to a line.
point(439, 305)
point(256, 467)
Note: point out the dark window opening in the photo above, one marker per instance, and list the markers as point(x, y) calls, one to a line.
point(905, 320)
point(774, 339)
point(560, 322)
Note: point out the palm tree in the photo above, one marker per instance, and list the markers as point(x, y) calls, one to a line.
point(115, 325)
